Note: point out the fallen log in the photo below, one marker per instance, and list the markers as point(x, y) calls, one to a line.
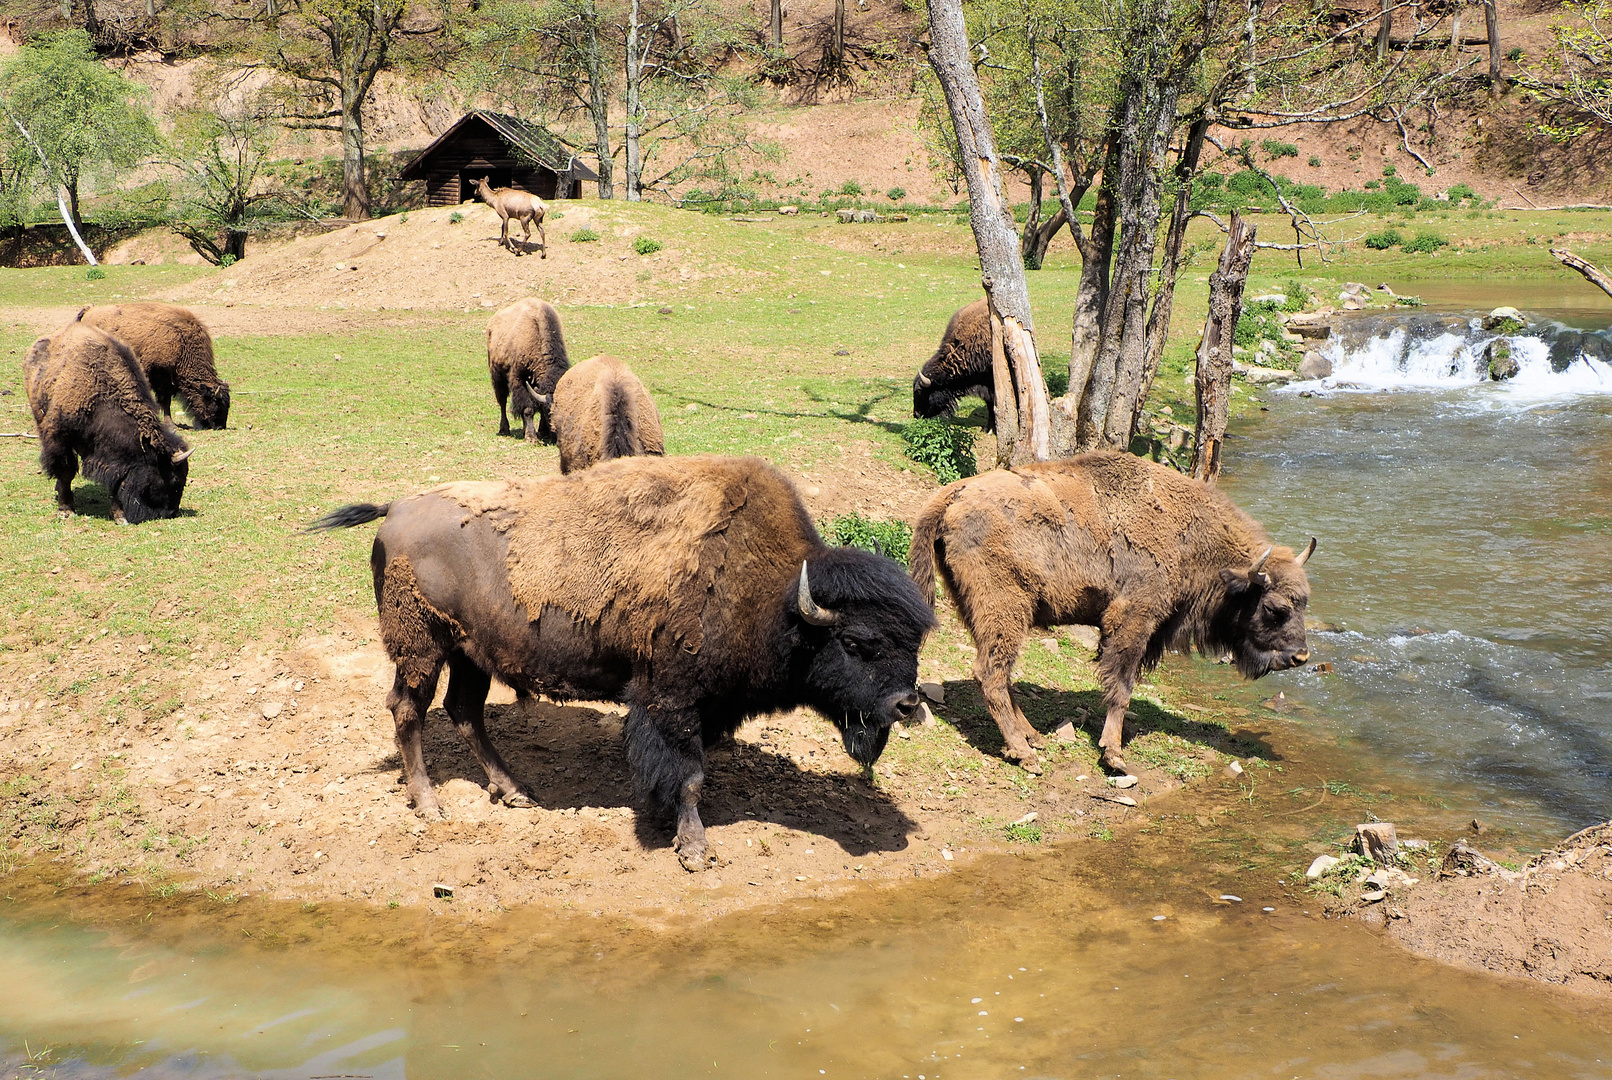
point(1594, 275)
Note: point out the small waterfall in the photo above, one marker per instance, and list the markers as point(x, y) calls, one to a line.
point(1421, 351)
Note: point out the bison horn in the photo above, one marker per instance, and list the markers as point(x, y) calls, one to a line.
point(1257, 571)
point(808, 607)
point(925, 381)
point(1304, 556)
point(181, 455)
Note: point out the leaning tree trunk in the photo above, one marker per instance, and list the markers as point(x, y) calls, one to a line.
point(635, 163)
point(1213, 381)
point(1023, 420)
point(598, 98)
point(775, 27)
point(1593, 274)
point(69, 214)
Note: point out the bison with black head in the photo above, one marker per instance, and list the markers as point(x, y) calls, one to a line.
point(695, 590)
point(960, 368)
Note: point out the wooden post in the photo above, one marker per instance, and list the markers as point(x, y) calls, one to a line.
point(1383, 28)
point(1213, 381)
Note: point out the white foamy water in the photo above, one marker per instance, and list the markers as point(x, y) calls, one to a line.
point(1400, 360)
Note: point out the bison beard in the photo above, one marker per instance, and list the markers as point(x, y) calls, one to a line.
point(1156, 560)
point(960, 368)
point(695, 590)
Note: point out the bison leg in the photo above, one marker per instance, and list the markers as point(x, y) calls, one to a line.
point(466, 703)
point(993, 669)
point(501, 392)
point(61, 464)
point(409, 704)
point(667, 755)
point(1119, 662)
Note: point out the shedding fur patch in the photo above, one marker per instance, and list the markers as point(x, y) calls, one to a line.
point(409, 625)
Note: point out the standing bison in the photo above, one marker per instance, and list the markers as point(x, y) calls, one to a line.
point(960, 367)
point(601, 411)
point(526, 357)
point(696, 590)
point(1156, 560)
point(90, 400)
point(176, 353)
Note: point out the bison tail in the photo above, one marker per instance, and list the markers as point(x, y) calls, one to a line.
point(921, 557)
point(348, 516)
point(620, 427)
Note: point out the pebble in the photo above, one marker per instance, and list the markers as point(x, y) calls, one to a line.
point(1065, 732)
point(1234, 769)
point(1124, 800)
point(1372, 897)
point(1230, 899)
point(1159, 918)
point(933, 691)
point(1124, 781)
point(1321, 865)
point(1267, 909)
point(1081, 777)
point(946, 853)
point(271, 710)
point(1025, 820)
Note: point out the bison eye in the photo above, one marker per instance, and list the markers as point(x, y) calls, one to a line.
point(866, 648)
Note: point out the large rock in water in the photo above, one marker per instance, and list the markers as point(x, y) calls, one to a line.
point(1502, 365)
point(1505, 319)
point(1314, 366)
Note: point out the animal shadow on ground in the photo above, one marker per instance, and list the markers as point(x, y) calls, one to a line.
point(965, 708)
point(849, 412)
point(92, 500)
point(571, 756)
point(518, 247)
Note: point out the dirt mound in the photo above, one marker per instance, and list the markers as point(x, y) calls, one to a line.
point(425, 259)
point(1551, 921)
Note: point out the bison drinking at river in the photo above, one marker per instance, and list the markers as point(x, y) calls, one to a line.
point(695, 590)
point(959, 368)
point(90, 400)
point(1156, 560)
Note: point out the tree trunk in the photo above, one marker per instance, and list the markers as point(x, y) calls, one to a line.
point(1091, 295)
point(635, 163)
point(69, 214)
point(1213, 381)
point(1025, 436)
point(1491, 23)
point(1383, 27)
point(1038, 234)
point(355, 189)
point(1455, 27)
point(72, 200)
point(235, 243)
point(598, 99)
point(837, 48)
point(775, 29)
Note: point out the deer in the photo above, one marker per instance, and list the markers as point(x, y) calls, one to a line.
point(525, 207)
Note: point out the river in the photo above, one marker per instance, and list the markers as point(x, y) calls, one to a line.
point(1463, 579)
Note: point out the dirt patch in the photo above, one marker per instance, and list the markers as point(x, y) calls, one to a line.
point(231, 320)
point(1550, 921)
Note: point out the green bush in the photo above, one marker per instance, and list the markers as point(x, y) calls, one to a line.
point(1298, 295)
point(1461, 191)
point(887, 537)
point(850, 187)
point(226, 259)
point(948, 449)
point(1315, 162)
point(646, 246)
point(896, 194)
point(1057, 380)
point(1382, 241)
point(403, 218)
point(1425, 243)
point(1275, 149)
point(94, 273)
point(1390, 170)
point(1373, 185)
point(1514, 54)
point(455, 218)
point(584, 235)
point(1029, 833)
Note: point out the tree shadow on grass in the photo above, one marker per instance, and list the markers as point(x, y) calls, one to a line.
point(571, 756)
point(965, 709)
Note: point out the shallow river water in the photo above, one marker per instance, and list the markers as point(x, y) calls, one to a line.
point(1465, 571)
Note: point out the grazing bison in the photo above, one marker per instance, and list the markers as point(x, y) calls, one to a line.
point(526, 357)
point(960, 367)
point(696, 590)
point(176, 353)
point(601, 411)
point(1155, 559)
point(90, 400)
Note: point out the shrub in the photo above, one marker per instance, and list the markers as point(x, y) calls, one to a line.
point(945, 448)
point(1057, 380)
point(1298, 294)
point(1461, 191)
point(896, 194)
point(584, 235)
point(1390, 169)
point(94, 273)
point(1405, 194)
point(1373, 185)
point(1275, 149)
point(850, 187)
point(226, 259)
point(1382, 241)
point(455, 218)
point(1425, 243)
point(645, 245)
point(1315, 162)
point(403, 218)
point(1514, 54)
point(887, 537)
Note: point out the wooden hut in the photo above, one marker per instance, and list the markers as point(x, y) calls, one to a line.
point(508, 152)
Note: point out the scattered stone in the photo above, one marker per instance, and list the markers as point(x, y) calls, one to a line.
point(929, 717)
point(1123, 800)
point(1270, 298)
point(1376, 841)
point(1478, 827)
point(1352, 288)
point(1320, 866)
point(1051, 644)
point(1314, 366)
point(1413, 845)
point(1262, 376)
point(1081, 778)
point(1126, 781)
point(271, 709)
point(1505, 320)
point(1234, 769)
point(901, 730)
point(867, 217)
point(1065, 732)
point(1502, 364)
point(1230, 899)
point(1027, 818)
point(946, 853)
point(665, 311)
point(1462, 861)
point(933, 691)
point(1373, 896)
point(1267, 910)
point(1087, 637)
point(1160, 918)
point(845, 216)
point(789, 211)
point(1383, 286)
point(442, 892)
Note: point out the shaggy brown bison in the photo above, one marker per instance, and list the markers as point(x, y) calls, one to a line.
point(696, 590)
point(90, 400)
point(960, 367)
point(526, 357)
point(176, 353)
point(601, 411)
point(1155, 559)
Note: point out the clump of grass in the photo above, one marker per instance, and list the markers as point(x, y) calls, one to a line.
point(584, 235)
point(890, 538)
point(1425, 243)
point(1298, 295)
point(1057, 380)
point(896, 194)
point(1382, 241)
point(1275, 149)
point(94, 273)
point(1315, 162)
point(226, 260)
point(455, 218)
point(1029, 833)
point(646, 245)
point(850, 187)
point(946, 448)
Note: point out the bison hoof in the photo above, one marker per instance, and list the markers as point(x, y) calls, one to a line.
point(518, 799)
point(1114, 763)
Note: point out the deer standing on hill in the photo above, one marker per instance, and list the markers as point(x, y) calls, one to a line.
point(523, 206)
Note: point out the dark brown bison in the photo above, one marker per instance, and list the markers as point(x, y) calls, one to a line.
point(90, 400)
point(959, 368)
point(695, 590)
point(1155, 559)
point(176, 353)
point(601, 411)
point(526, 357)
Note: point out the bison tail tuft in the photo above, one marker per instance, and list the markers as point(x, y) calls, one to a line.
point(921, 556)
point(620, 427)
point(348, 516)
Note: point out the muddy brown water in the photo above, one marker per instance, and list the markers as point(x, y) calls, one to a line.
point(1464, 577)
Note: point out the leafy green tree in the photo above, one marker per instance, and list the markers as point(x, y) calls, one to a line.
point(70, 117)
point(220, 153)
